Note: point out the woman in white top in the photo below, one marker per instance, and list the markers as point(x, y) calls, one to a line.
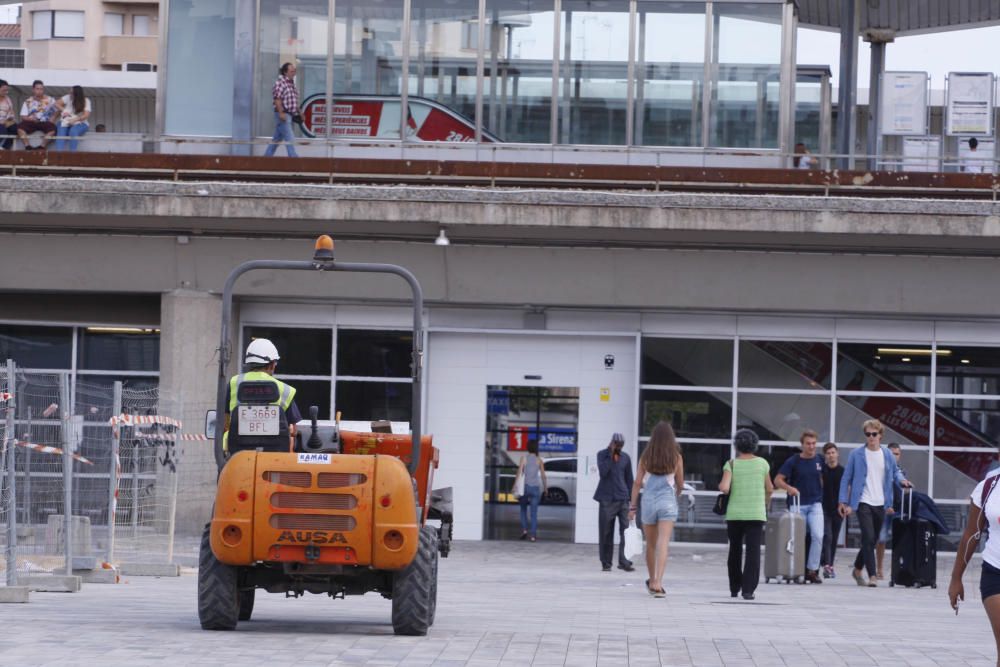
point(984, 514)
point(75, 110)
point(8, 124)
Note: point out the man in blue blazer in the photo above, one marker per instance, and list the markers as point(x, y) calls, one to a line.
point(866, 489)
point(613, 494)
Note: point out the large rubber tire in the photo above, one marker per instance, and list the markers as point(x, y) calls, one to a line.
point(434, 579)
point(218, 594)
point(414, 589)
point(246, 604)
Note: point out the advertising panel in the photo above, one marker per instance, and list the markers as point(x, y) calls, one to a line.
point(921, 153)
point(969, 108)
point(378, 118)
point(903, 107)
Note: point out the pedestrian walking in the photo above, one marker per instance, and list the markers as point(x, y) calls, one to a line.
point(612, 495)
point(866, 489)
point(802, 475)
point(285, 97)
point(532, 468)
point(833, 472)
point(984, 513)
point(746, 479)
point(661, 471)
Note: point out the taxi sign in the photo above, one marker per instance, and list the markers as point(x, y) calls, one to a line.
point(259, 419)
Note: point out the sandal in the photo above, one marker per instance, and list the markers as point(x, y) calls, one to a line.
point(659, 593)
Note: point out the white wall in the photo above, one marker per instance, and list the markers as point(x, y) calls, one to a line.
point(462, 365)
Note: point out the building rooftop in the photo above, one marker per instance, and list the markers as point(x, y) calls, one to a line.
point(906, 17)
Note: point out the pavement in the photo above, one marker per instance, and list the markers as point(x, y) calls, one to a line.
point(513, 604)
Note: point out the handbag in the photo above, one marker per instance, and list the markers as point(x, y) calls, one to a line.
point(518, 486)
point(297, 118)
point(722, 500)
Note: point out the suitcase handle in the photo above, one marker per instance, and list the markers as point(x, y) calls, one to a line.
point(906, 511)
point(796, 504)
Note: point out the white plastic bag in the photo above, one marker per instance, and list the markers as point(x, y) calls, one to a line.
point(633, 541)
point(518, 490)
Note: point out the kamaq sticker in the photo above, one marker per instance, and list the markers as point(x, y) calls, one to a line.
point(314, 458)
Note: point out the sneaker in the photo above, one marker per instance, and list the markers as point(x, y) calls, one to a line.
point(826, 572)
point(872, 583)
point(859, 578)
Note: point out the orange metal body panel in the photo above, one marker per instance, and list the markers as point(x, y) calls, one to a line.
point(236, 477)
point(393, 482)
point(398, 445)
point(319, 512)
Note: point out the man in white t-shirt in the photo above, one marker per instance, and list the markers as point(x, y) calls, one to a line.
point(983, 523)
point(866, 489)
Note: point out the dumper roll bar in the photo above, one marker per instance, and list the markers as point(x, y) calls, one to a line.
point(322, 261)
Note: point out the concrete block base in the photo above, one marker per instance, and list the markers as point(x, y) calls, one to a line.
point(150, 569)
point(13, 594)
point(55, 583)
point(101, 576)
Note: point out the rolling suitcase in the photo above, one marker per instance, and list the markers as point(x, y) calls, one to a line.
point(785, 546)
point(914, 548)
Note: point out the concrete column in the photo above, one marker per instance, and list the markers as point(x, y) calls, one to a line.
point(878, 39)
point(848, 81)
point(244, 47)
point(189, 335)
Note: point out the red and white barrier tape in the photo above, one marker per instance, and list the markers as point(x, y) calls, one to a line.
point(140, 420)
point(46, 449)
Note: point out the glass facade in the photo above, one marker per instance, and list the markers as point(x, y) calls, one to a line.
point(200, 64)
point(783, 387)
point(580, 72)
point(362, 373)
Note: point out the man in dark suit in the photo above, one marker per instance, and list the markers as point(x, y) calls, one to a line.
point(613, 493)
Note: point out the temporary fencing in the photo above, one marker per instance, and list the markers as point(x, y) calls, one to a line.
point(107, 449)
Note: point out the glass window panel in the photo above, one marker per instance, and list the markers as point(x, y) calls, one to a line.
point(670, 73)
point(365, 353)
point(68, 24)
point(967, 423)
point(302, 351)
point(687, 361)
point(370, 401)
point(41, 25)
point(367, 42)
point(808, 112)
point(968, 370)
point(95, 396)
point(202, 40)
point(37, 347)
point(785, 364)
point(745, 93)
point(693, 414)
point(311, 392)
point(784, 416)
point(703, 465)
point(956, 474)
point(776, 455)
point(517, 92)
point(443, 69)
point(297, 33)
point(593, 71)
point(118, 351)
point(883, 367)
point(140, 26)
point(906, 420)
point(114, 24)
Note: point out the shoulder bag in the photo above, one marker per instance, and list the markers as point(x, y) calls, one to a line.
point(722, 500)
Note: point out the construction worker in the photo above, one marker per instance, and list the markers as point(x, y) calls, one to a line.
point(259, 363)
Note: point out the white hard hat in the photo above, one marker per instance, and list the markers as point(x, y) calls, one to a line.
point(261, 351)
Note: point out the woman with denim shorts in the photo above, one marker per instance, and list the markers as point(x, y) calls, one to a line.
point(662, 469)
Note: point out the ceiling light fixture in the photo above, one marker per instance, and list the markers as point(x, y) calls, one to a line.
point(442, 238)
point(914, 351)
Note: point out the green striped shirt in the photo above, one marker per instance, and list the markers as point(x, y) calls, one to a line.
point(746, 492)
